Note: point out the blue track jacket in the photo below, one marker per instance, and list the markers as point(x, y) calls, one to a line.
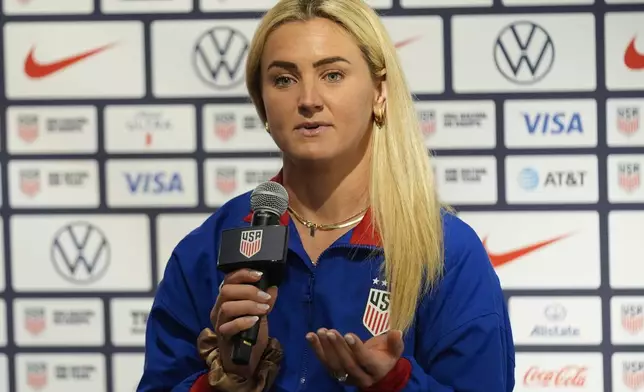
point(460, 341)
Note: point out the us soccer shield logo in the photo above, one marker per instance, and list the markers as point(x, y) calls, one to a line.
point(36, 375)
point(28, 128)
point(628, 120)
point(251, 242)
point(427, 120)
point(629, 176)
point(30, 182)
point(35, 320)
point(225, 126)
point(633, 318)
point(376, 313)
point(226, 179)
point(633, 374)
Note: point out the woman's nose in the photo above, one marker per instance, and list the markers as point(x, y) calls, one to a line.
point(310, 98)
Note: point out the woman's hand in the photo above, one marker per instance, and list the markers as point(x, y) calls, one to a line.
point(238, 307)
point(365, 363)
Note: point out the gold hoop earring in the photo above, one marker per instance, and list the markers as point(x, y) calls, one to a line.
point(267, 128)
point(379, 116)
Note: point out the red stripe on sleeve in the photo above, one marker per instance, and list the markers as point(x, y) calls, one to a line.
point(395, 380)
point(201, 384)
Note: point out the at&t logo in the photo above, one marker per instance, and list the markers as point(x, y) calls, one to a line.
point(80, 252)
point(529, 179)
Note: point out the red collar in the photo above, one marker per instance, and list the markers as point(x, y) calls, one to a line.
point(363, 233)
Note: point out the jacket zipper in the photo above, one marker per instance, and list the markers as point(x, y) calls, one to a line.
point(305, 356)
point(303, 380)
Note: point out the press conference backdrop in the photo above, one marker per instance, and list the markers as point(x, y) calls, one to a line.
point(125, 123)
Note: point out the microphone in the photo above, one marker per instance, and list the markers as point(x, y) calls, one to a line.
point(263, 247)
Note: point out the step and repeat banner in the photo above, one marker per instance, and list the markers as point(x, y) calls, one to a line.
point(125, 123)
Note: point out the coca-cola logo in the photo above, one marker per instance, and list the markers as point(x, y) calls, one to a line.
point(567, 376)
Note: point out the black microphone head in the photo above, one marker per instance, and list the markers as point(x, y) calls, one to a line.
point(269, 196)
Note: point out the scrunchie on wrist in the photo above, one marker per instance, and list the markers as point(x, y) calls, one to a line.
point(221, 381)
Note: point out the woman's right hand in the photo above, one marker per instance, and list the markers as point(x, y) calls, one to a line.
point(238, 307)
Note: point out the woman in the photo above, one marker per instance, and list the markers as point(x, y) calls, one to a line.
point(324, 76)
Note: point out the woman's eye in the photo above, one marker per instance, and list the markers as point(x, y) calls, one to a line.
point(281, 81)
point(334, 76)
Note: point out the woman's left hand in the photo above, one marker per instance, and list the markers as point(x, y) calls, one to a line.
point(364, 363)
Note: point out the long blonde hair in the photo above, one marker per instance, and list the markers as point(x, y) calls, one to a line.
point(405, 207)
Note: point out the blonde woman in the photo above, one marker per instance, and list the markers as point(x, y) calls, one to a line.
point(385, 290)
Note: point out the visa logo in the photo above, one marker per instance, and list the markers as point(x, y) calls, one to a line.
point(553, 123)
point(155, 183)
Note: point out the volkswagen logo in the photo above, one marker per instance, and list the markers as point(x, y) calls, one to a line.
point(524, 53)
point(80, 252)
point(218, 57)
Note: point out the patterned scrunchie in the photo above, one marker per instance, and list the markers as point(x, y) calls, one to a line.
point(265, 374)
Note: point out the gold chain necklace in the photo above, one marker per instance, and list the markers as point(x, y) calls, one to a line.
point(332, 226)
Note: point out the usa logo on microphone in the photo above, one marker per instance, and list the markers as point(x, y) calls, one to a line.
point(251, 242)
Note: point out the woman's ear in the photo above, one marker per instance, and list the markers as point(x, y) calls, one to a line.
point(381, 93)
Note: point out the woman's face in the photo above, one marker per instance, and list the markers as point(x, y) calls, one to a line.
point(318, 92)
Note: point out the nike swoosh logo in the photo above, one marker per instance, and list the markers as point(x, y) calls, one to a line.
point(632, 58)
point(499, 259)
point(36, 70)
point(406, 42)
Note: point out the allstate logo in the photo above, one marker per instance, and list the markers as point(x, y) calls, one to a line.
point(529, 179)
point(555, 312)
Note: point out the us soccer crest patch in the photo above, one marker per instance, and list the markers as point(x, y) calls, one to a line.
point(376, 313)
point(251, 243)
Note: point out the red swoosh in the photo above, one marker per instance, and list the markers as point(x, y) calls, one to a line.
point(406, 42)
point(498, 259)
point(36, 69)
point(632, 58)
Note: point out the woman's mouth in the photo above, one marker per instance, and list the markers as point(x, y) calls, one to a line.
point(312, 128)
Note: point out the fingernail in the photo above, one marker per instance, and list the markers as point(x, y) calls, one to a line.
point(263, 306)
point(309, 337)
point(253, 319)
point(330, 335)
point(256, 274)
point(350, 339)
point(264, 295)
point(321, 330)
